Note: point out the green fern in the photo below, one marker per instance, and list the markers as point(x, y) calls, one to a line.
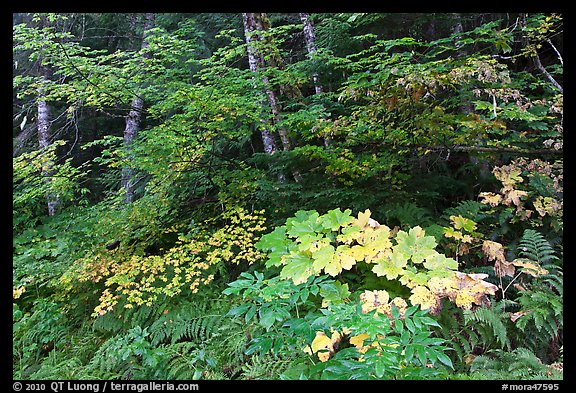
point(470, 209)
point(535, 247)
point(196, 322)
point(490, 325)
point(58, 366)
point(182, 361)
point(521, 363)
point(407, 214)
point(265, 367)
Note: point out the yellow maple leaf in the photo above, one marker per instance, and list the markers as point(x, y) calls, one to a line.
point(374, 300)
point(422, 296)
point(443, 286)
point(358, 342)
point(323, 346)
point(346, 257)
point(364, 220)
point(465, 300)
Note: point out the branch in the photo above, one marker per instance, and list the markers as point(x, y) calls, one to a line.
point(484, 149)
point(546, 73)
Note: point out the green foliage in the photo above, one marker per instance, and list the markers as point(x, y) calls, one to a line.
point(310, 243)
point(519, 364)
point(490, 327)
point(535, 247)
point(35, 334)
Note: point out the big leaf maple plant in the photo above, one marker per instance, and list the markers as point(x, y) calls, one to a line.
point(310, 244)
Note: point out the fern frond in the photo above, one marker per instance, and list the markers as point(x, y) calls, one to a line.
point(180, 362)
point(265, 367)
point(470, 209)
point(521, 363)
point(536, 248)
point(489, 323)
point(407, 214)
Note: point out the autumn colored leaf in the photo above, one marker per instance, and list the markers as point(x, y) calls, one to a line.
point(424, 297)
point(358, 342)
point(363, 221)
point(460, 222)
point(373, 299)
point(490, 198)
point(472, 289)
point(504, 269)
point(323, 346)
point(495, 252)
point(415, 244)
point(442, 286)
point(513, 196)
point(529, 267)
point(516, 315)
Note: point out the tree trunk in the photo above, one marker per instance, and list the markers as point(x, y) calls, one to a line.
point(44, 130)
point(256, 62)
point(253, 23)
point(133, 125)
point(310, 38)
point(44, 136)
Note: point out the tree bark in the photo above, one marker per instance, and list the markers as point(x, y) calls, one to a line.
point(44, 136)
point(253, 24)
point(44, 131)
point(310, 38)
point(256, 62)
point(132, 127)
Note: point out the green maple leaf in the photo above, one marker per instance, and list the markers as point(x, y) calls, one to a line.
point(415, 244)
point(391, 267)
point(274, 240)
point(411, 277)
point(335, 219)
point(277, 244)
point(305, 222)
point(310, 242)
point(298, 267)
point(437, 261)
point(323, 259)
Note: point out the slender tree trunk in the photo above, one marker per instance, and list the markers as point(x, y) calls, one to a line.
point(310, 38)
point(44, 136)
point(254, 23)
point(132, 127)
point(256, 62)
point(44, 128)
